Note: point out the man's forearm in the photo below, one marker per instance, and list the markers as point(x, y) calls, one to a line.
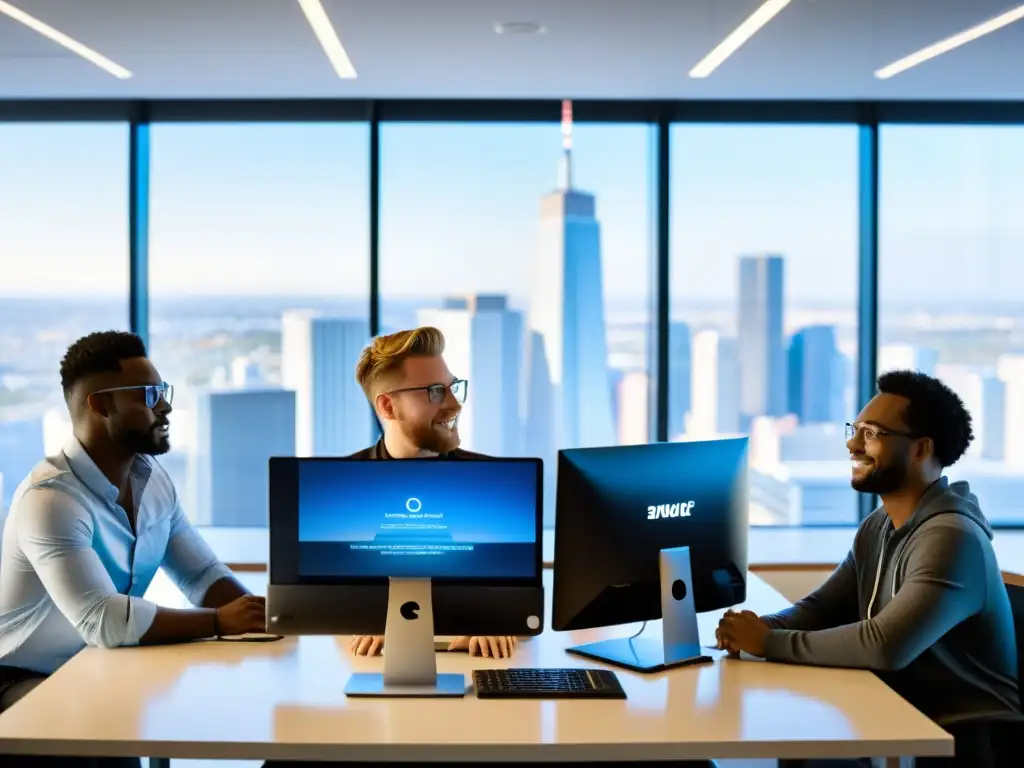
point(172, 625)
point(222, 592)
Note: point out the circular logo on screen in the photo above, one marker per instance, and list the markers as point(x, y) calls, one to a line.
point(413, 504)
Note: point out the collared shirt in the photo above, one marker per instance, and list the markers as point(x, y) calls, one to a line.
point(72, 569)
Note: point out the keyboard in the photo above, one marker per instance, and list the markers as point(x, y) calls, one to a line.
point(547, 684)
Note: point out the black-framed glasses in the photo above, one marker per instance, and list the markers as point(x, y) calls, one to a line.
point(871, 432)
point(436, 392)
point(153, 392)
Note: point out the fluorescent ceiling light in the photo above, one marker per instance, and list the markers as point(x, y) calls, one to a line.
point(947, 45)
point(765, 13)
point(328, 37)
point(60, 38)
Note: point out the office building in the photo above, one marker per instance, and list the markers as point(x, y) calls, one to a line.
point(992, 418)
point(633, 408)
point(816, 376)
point(679, 375)
point(318, 362)
point(714, 386)
point(984, 396)
point(237, 431)
point(814, 442)
point(484, 344)
point(897, 356)
point(21, 448)
point(760, 337)
point(245, 372)
point(568, 399)
point(1010, 371)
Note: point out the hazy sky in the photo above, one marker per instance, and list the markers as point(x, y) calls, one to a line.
point(284, 208)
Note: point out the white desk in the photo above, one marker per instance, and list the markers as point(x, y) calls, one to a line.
point(284, 701)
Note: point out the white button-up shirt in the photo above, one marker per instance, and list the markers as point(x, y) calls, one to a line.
point(72, 570)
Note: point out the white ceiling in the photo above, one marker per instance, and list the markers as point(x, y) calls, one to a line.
point(602, 49)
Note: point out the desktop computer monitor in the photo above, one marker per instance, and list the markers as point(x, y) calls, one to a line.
point(407, 549)
point(649, 532)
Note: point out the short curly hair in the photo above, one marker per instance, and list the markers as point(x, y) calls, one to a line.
point(100, 352)
point(934, 411)
point(385, 355)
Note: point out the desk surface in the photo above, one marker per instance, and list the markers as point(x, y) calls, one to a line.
point(284, 700)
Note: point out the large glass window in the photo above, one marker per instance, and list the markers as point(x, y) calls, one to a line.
point(951, 286)
point(259, 275)
point(63, 273)
point(764, 295)
point(533, 259)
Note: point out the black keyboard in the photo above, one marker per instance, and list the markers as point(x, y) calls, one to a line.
point(547, 684)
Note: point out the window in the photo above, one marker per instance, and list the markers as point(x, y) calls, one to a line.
point(535, 262)
point(764, 299)
point(951, 286)
point(64, 251)
point(259, 281)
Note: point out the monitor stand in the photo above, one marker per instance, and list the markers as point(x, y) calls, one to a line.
point(680, 638)
point(410, 667)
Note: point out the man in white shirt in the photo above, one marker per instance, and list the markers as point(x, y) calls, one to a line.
point(88, 529)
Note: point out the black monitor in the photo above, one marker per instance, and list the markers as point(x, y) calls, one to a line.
point(647, 530)
point(407, 549)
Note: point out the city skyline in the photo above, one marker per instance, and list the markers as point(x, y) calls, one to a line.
point(475, 221)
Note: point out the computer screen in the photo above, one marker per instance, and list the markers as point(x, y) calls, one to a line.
point(618, 507)
point(425, 519)
point(340, 528)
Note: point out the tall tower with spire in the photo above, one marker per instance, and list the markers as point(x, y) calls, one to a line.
point(565, 167)
point(568, 390)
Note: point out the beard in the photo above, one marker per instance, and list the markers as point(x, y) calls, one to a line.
point(882, 480)
point(434, 436)
point(148, 442)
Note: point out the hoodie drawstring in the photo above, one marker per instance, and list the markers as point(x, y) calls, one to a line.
point(878, 571)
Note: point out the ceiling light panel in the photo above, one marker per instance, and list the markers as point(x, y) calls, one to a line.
point(764, 13)
point(328, 37)
point(61, 39)
point(950, 43)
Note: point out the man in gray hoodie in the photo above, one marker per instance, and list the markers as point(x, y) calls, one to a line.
point(919, 598)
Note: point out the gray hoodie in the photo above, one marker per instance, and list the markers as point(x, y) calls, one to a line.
point(923, 605)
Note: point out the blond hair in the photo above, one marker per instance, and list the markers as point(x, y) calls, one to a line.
point(385, 355)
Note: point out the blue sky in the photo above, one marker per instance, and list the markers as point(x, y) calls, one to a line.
point(284, 208)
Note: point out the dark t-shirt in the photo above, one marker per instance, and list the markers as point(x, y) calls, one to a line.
point(379, 451)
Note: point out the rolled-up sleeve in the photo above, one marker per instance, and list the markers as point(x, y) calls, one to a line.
point(55, 533)
point(189, 561)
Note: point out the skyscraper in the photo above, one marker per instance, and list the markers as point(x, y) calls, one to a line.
point(715, 390)
point(1010, 370)
point(902, 356)
point(679, 378)
point(318, 362)
point(984, 396)
point(568, 392)
point(569, 397)
point(762, 355)
point(237, 431)
point(816, 375)
point(633, 391)
point(484, 343)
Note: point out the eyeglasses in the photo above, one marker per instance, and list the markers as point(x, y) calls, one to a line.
point(872, 433)
point(437, 392)
point(153, 392)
